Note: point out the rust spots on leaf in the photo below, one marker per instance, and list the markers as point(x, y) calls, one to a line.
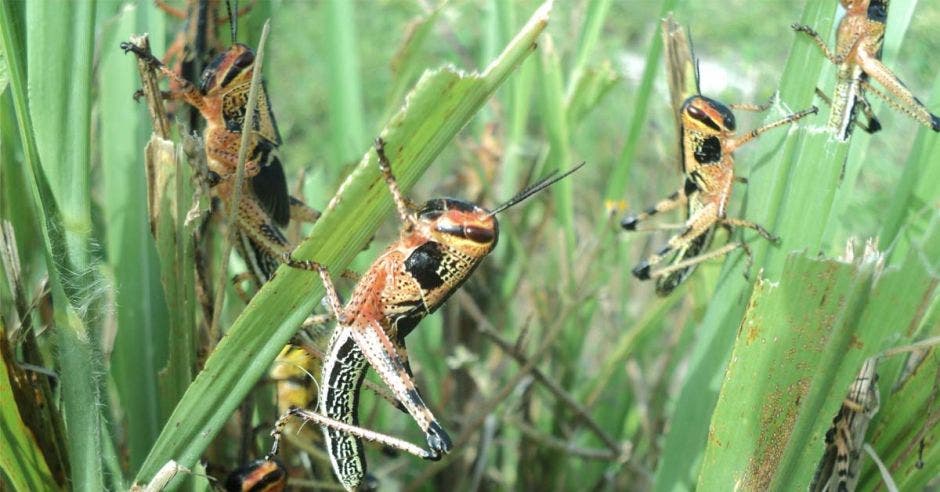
point(749, 324)
point(856, 343)
point(777, 418)
point(753, 330)
point(925, 302)
point(712, 438)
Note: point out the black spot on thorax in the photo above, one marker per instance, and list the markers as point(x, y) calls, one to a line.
point(424, 263)
point(878, 11)
point(708, 150)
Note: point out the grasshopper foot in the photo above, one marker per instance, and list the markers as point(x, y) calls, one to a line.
point(438, 442)
point(629, 222)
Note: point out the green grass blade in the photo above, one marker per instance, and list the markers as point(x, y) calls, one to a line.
point(4, 73)
point(594, 20)
point(905, 424)
point(441, 104)
point(909, 414)
point(915, 190)
point(556, 122)
point(799, 347)
point(753, 418)
point(61, 114)
point(617, 180)
point(72, 284)
point(175, 249)
point(884, 321)
point(14, 187)
point(141, 313)
point(518, 100)
point(347, 128)
point(592, 85)
point(406, 65)
point(802, 181)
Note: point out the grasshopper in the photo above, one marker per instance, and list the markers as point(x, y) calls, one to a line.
point(838, 468)
point(221, 97)
point(857, 57)
point(439, 247)
point(707, 141)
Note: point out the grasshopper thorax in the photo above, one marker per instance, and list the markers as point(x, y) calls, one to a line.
point(707, 115)
point(232, 67)
point(460, 225)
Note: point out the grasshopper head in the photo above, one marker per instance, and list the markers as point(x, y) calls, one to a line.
point(471, 229)
point(232, 67)
point(707, 116)
point(460, 225)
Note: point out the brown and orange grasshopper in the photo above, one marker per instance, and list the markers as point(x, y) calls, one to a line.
point(439, 247)
point(221, 97)
point(707, 141)
point(857, 57)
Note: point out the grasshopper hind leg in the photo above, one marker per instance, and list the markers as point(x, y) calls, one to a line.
point(667, 281)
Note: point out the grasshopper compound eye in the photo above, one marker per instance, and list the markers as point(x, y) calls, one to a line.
point(460, 220)
point(244, 60)
point(479, 234)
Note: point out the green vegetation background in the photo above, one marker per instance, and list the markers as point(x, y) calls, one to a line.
point(650, 372)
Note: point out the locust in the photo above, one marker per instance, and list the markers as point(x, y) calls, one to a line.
point(839, 466)
point(857, 58)
point(266, 206)
point(707, 142)
point(439, 247)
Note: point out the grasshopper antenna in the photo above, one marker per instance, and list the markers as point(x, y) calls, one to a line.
point(696, 61)
point(535, 188)
point(232, 18)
